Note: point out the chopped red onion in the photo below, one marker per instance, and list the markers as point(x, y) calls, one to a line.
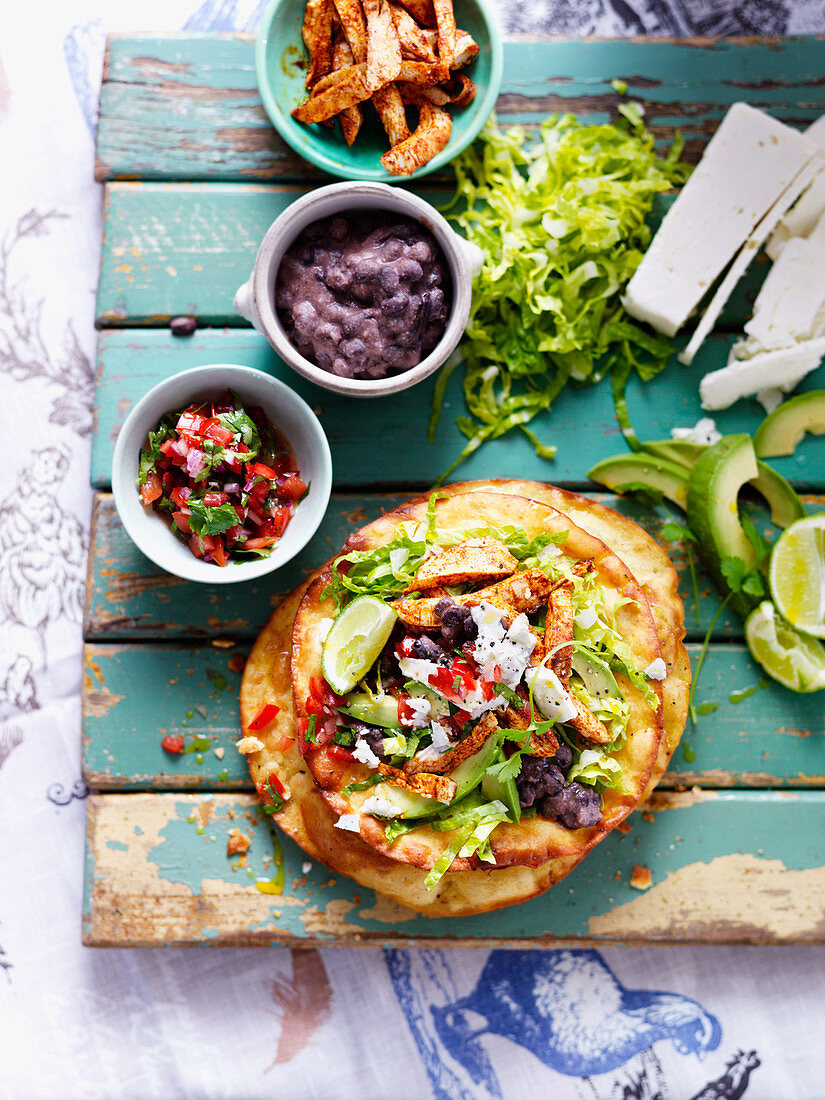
point(195, 462)
point(232, 487)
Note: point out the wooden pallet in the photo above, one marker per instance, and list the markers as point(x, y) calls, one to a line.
point(733, 838)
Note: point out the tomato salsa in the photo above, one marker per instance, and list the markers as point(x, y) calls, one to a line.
point(225, 476)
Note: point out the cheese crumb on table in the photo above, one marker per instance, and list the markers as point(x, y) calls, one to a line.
point(349, 822)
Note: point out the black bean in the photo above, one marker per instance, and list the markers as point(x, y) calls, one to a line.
point(421, 251)
point(337, 277)
point(564, 756)
point(433, 303)
point(426, 648)
point(394, 353)
point(353, 349)
point(538, 779)
point(410, 270)
point(392, 249)
point(343, 368)
point(183, 326)
point(394, 305)
point(388, 278)
point(366, 270)
point(575, 806)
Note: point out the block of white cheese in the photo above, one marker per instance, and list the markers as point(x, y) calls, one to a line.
point(782, 369)
point(749, 162)
point(807, 211)
point(742, 260)
point(790, 307)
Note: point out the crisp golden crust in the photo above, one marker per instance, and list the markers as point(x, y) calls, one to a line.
point(530, 842)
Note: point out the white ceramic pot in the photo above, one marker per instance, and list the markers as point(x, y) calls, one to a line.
point(255, 300)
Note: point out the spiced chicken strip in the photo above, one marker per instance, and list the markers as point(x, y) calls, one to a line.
point(467, 563)
point(426, 784)
point(317, 35)
point(467, 747)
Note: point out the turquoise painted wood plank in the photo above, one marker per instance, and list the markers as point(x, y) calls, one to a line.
point(186, 106)
point(769, 738)
point(130, 362)
point(129, 598)
point(185, 248)
point(726, 867)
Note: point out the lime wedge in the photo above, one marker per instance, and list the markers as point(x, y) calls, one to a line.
point(354, 642)
point(797, 574)
point(796, 660)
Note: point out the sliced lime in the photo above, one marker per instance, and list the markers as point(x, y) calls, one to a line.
point(354, 642)
point(797, 574)
point(796, 660)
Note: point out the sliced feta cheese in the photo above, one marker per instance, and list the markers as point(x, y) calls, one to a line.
point(418, 669)
point(703, 432)
point(364, 754)
point(441, 739)
point(550, 696)
point(585, 619)
point(350, 822)
point(656, 670)
point(420, 712)
point(770, 399)
point(508, 648)
point(790, 307)
point(379, 804)
point(721, 388)
point(747, 165)
point(803, 216)
point(323, 628)
point(746, 253)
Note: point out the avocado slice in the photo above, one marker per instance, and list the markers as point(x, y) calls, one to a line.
point(669, 477)
point(382, 711)
point(681, 451)
point(467, 775)
point(505, 790)
point(781, 497)
point(782, 431)
point(713, 512)
point(596, 676)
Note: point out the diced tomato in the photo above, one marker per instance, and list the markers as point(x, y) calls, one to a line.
point(259, 544)
point(317, 687)
point(208, 543)
point(167, 448)
point(339, 752)
point(325, 731)
point(214, 500)
point(291, 487)
point(195, 546)
point(405, 711)
point(173, 744)
point(182, 521)
point(260, 489)
point(280, 519)
point(192, 423)
point(268, 713)
point(231, 533)
point(259, 469)
point(219, 554)
point(404, 648)
point(487, 689)
point(180, 495)
point(166, 480)
point(273, 781)
point(219, 433)
point(152, 488)
point(461, 717)
point(314, 706)
point(284, 743)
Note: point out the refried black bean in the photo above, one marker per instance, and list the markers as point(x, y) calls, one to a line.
point(575, 806)
point(379, 282)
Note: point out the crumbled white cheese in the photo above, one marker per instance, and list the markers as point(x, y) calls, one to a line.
point(585, 619)
point(350, 822)
point(770, 398)
point(656, 670)
point(550, 696)
point(421, 709)
point(323, 628)
point(306, 867)
point(398, 558)
point(381, 805)
point(509, 649)
point(364, 754)
point(246, 745)
point(740, 378)
point(703, 432)
point(418, 669)
point(441, 738)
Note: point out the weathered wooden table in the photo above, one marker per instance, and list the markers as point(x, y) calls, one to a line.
point(734, 838)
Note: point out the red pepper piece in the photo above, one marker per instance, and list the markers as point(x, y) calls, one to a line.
point(173, 744)
point(339, 752)
point(291, 487)
point(260, 469)
point(152, 488)
point(219, 433)
point(265, 715)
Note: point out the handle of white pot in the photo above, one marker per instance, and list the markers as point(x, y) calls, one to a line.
point(473, 255)
point(244, 303)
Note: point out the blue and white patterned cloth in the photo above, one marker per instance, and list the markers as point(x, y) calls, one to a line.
point(78, 1024)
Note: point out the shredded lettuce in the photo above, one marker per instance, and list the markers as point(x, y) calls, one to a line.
point(562, 227)
point(597, 769)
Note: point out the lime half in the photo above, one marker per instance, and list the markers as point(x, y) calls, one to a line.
point(796, 660)
point(797, 574)
point(354, 642)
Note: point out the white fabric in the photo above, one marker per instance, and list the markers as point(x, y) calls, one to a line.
point(79, 1023)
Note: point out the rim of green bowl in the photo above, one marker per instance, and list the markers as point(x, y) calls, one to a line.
point(481, 107)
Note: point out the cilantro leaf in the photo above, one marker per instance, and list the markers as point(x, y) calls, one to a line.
point(734, 571)
point(753, 584)
point(238, 422)
point(373, 781)
point(211, 521)
point(511, 696)
point(755, 538)
point(677, 532)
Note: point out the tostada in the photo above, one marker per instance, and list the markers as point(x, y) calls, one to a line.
point(466, 700)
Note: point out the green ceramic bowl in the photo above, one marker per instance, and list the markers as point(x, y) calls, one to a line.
point(279, 64)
